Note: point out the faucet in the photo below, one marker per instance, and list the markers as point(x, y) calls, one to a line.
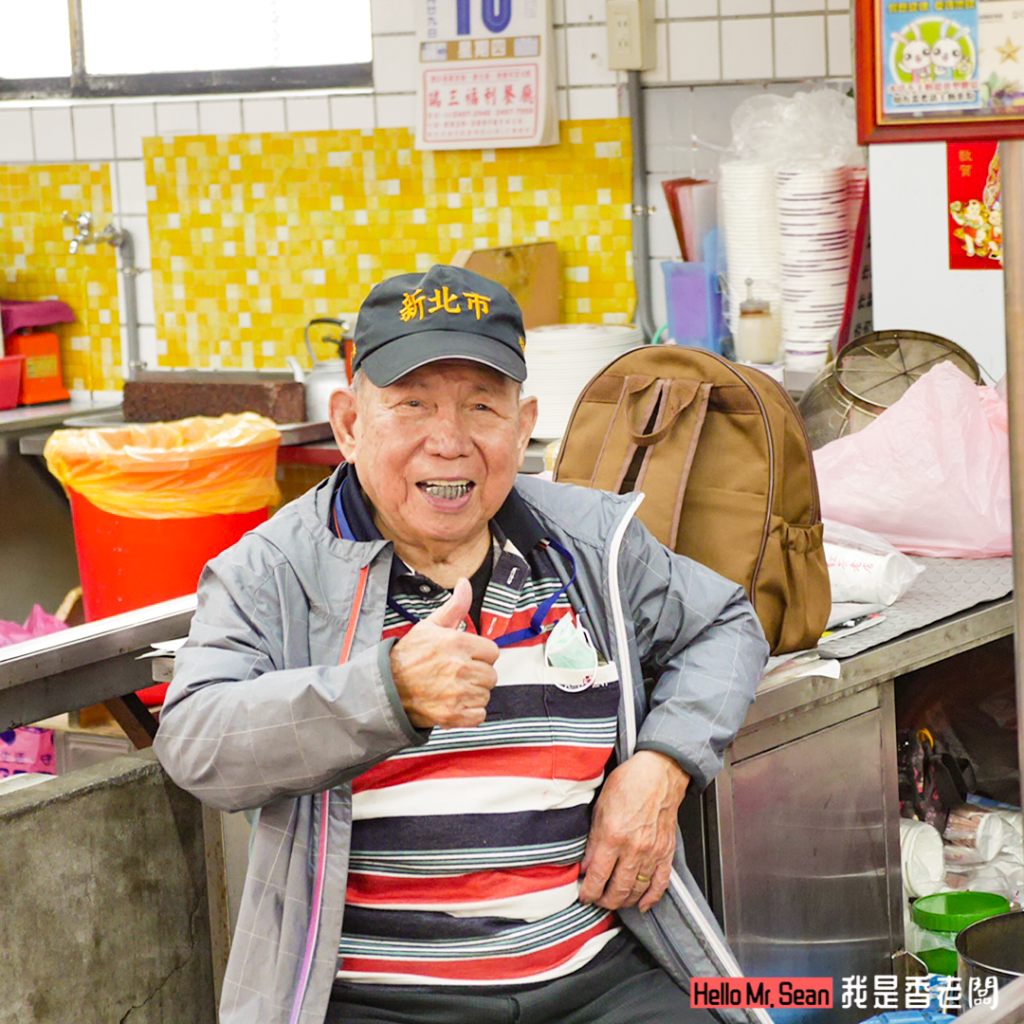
point(84, 236)
point(119, 239)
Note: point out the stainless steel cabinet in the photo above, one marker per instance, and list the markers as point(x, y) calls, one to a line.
point(805, 853)
point(802, 826)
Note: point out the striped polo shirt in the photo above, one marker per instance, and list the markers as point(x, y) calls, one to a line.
point(465, 855)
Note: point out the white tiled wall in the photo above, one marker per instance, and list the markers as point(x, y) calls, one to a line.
point(220, 117)
point(688, 131)
point(263, 114)
point(704, 48)
point(800, 46)
point(747, 52)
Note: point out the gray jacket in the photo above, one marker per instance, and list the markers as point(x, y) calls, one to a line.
point(260, 714)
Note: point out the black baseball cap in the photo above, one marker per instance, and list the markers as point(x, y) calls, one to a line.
point(446, 313)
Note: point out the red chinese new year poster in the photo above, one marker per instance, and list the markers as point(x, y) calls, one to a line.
point(975, 211)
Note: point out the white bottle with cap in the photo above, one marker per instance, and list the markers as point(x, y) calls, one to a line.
point(756, 339)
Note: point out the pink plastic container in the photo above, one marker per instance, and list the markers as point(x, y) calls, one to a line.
point(10, 380)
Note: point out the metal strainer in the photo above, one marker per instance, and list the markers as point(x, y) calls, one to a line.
point(869, 375)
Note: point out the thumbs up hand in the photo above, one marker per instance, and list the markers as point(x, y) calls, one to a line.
point(444, 676)
point(455, 609)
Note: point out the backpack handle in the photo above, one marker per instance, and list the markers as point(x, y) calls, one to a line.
point(685, 400)
point(677, 396)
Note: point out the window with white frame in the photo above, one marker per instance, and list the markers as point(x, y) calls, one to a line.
point(107, 48)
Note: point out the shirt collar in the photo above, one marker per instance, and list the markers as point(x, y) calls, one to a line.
point(514, 520)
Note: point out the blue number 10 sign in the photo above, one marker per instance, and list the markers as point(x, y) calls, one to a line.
point(485, 74)
point(495, 15)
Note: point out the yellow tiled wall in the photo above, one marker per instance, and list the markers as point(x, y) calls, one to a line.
point(253, 235)
point(37, 263)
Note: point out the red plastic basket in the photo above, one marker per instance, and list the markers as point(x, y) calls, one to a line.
point(10, 380)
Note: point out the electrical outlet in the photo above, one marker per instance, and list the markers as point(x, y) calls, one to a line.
point(631, 45)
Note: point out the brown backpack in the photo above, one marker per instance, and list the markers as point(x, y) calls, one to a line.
point(721, 453)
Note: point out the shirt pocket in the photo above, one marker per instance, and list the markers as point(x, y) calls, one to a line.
point(582, 709)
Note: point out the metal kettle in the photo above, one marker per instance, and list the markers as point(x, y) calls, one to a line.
point(326, 375)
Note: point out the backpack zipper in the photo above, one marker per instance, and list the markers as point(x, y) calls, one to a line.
point(815, 505)
point(716, 949)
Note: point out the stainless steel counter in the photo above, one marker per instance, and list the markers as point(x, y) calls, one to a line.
point(34, 443)
point(976, 626)
point(775, 714)
point(86, 664)
point(49, 414)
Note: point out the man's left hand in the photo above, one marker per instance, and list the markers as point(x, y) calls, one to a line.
point(633, 833)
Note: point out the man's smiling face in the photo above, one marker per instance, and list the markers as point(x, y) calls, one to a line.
point(436, 452)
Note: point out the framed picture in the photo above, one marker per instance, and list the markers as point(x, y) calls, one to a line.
point(932, 70)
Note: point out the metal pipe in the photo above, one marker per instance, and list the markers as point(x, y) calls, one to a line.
point(126, 248)
point(1011, 159)
point(77, 44)
point(121, 240)
point(641, 248)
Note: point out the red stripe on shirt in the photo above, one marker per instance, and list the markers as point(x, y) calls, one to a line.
point(380, 890)
point(573, 764)
point(493, 626)
point(492, 969)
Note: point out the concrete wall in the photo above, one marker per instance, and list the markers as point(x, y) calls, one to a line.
point(105, 917)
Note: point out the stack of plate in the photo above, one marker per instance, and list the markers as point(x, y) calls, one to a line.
point(750, 225)
point(561, 359)
point(814, 256)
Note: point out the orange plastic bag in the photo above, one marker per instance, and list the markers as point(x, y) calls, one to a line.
point(201, 466)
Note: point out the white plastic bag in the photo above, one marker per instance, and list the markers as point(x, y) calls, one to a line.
point(931, 475)
point(864, 567)
point(815, 127)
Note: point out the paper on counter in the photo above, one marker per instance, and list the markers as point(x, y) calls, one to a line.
point(784, 668)
point(163, 648)
point(850, 626)
point(845, 611)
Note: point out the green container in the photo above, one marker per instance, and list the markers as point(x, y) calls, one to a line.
point(939, 960)
point(945, 914)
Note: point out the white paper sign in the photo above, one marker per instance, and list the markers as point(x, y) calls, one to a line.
point(486, 74)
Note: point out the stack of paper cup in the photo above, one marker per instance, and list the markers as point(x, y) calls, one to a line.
point(855, 197)
point(561, 359)
point(867, 577)
point(814, 258)
point(923, 867)
point(974, 834)
point(750, 227)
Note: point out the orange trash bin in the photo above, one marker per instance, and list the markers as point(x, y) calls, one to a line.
point(151, 504)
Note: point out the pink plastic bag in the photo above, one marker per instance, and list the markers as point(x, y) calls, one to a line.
point(931, 474)
point(28, 748)
point(38, 623)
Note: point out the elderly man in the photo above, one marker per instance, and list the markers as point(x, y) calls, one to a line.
point(429, 677)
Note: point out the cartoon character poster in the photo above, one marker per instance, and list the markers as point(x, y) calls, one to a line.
point(975, 209)
point(930, 51)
